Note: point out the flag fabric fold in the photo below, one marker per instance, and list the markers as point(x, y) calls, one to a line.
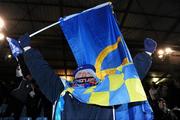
point(94, 38)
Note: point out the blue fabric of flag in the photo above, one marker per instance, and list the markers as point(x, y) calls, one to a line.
point(88, 34)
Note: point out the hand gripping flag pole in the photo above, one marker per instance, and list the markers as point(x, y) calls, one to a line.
point(45, 28)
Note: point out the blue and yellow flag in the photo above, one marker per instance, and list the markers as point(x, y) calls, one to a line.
point(94, 38)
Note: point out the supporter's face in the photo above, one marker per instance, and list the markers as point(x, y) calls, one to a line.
point(84, 77)
point(161, 104)
point(83, 74)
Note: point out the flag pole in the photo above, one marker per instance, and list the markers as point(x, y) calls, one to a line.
point(45, 28)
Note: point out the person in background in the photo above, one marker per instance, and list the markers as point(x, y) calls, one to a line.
point(15, 105)
point(153, 91)
point(143, 60)
point(24, 88)
point(164, 113)
point(35, 100)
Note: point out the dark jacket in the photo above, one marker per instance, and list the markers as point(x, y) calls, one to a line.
point(51, 86)
point(142, 62)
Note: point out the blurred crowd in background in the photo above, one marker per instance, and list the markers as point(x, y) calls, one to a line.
point(164, 99)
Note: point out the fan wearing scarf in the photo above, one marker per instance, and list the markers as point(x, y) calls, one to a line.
point(84, 76)
point(67, 106)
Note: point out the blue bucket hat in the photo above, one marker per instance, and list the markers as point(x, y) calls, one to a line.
point(150, 45)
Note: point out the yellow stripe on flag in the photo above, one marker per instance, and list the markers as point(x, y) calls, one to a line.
point(115, 81)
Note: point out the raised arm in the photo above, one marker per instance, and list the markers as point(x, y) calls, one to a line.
point(49, 83)
point(143, 61)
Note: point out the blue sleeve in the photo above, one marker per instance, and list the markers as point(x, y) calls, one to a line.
point(49, 83)
point(142, 62)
